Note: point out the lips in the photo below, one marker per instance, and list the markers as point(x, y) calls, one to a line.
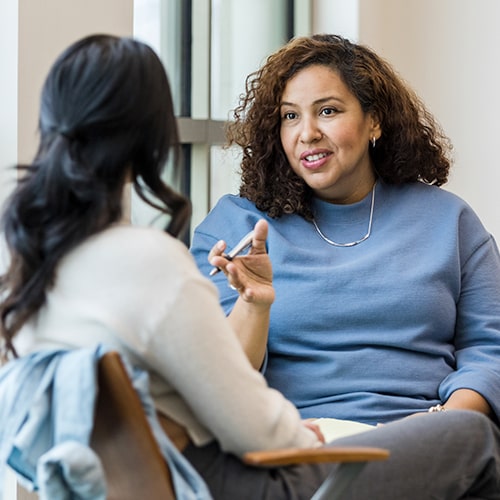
point(314, 159)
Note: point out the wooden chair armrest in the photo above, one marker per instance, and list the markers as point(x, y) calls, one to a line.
point(289, 456)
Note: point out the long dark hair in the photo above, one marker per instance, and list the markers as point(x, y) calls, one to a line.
point(106, 117)
point(412, 146)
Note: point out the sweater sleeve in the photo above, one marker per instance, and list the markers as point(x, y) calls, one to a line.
point(192, 346)
point(477, 332)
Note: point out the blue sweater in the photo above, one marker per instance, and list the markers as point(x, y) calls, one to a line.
point(383, 329)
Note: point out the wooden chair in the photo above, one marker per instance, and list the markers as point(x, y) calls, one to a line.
point(122, 438)
point(132, 461)
point(133, 464)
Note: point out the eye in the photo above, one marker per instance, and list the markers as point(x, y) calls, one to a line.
point(329, 111)
point(289, 115)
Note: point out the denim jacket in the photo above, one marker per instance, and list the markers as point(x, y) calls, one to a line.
point(46, 415)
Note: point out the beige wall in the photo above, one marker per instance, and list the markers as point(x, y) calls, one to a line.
point(45, 29)
point(447, 50)
point(8, 95)
point(32, 34)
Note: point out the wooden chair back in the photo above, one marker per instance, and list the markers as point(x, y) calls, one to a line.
point(122, 437)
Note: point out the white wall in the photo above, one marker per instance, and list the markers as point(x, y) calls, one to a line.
point(32, 34)
point(447, 51)
point(45, 29)
point(336, 16)
point(8, 95)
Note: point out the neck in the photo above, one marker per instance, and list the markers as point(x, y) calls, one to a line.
point(127, 203)
point(352, 195)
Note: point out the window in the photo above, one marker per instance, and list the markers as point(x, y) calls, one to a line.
point(209, 47)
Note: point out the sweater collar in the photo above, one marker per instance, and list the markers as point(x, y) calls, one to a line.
point(331, 213)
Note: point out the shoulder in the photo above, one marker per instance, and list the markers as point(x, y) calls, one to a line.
point(231, 218)
point(430, 201)
point(129, 240)
point(422, 191)
point(132, 251)
point(443, 214)
point(235, 203)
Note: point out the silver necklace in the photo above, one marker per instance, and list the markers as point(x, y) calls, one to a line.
point(351, 243)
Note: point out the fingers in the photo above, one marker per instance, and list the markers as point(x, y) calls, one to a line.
point(260, 236)
point(221, 261)
point(217, 249)
point(258, 241)
point(315, 428)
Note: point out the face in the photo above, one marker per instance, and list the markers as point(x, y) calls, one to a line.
point(326, 135)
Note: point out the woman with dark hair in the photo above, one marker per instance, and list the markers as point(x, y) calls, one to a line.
point(94, 138)
point(79, 275)
point(386, 288)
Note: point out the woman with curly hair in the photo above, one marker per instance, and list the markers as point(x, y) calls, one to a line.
point(385, 287)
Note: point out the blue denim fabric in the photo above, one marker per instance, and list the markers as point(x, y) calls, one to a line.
point(70, 471)
point(46, 400)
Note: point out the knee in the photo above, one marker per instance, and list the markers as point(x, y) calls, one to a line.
point(473, 423)
point(473, 418)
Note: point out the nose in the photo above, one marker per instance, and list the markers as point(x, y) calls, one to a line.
point(310, 131)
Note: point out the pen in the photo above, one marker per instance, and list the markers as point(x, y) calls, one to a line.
point(242, 245)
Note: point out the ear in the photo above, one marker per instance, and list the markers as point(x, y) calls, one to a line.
point(375, 126)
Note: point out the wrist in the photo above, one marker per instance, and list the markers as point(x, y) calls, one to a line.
point(257, 302)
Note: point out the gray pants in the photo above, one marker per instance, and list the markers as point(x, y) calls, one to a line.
point(448, 455)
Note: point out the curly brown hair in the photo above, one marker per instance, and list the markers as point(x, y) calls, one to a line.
point(412, 147)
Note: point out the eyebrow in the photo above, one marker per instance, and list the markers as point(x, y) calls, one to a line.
point(318, 101)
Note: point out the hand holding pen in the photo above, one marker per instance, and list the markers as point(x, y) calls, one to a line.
point(244, 243)
point(251, 273)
